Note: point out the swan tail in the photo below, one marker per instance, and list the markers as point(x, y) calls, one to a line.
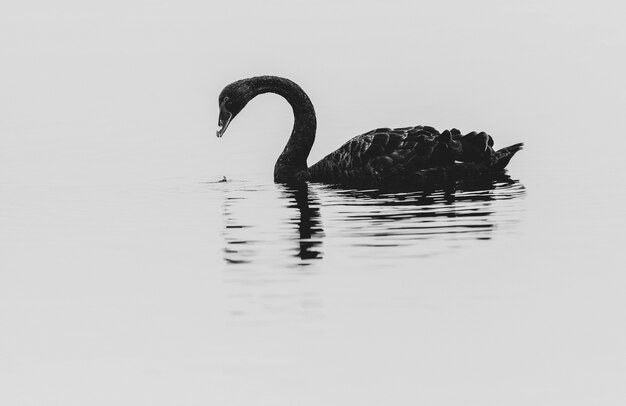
point(501, 158)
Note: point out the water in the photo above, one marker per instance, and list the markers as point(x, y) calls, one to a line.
point(130, 274)
point(408, 225)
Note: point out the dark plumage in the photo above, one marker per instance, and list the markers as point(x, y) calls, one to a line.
point(385, 157)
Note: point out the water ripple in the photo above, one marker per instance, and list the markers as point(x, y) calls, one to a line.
point(274, 226)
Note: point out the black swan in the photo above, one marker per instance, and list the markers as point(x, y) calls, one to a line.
point(385, 157)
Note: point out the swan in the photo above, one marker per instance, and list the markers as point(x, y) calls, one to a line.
point(384, 157)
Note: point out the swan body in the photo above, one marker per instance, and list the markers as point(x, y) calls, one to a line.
point(385, 157)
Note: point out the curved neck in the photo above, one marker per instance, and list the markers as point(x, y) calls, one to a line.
point(291, 164)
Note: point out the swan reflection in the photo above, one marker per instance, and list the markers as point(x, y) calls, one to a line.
point(424, 222)
point(307, 219)
point(279, 226)
point(265, 219)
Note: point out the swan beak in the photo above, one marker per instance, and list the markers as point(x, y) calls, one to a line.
point(222, 124)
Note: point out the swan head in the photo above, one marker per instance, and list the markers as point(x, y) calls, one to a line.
point(231, 101)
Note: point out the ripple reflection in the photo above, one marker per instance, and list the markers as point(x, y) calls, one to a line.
point(308, 221)
point(423, 223)
point(281, 226)
point(262, 222)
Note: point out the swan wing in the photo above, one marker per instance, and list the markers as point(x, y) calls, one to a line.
point(410, 155)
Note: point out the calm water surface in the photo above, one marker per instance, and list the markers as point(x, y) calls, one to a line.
point(317, 295)
point(365, 225)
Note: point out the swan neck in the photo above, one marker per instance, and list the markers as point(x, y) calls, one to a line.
point(292, 162)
